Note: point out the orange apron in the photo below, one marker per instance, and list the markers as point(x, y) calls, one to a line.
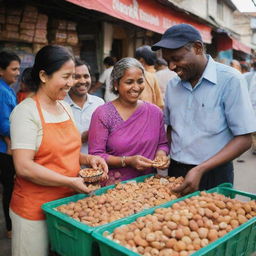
point(59, 151)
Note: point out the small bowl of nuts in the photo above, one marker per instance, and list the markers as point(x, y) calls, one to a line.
point(91, 175)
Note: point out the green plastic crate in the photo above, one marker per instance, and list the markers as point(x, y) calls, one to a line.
point(239, 242)
point(69, 237)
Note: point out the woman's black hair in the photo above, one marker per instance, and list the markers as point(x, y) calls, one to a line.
point(109, 61)
point(50, 59)
point(25, 77)
point(6, 57)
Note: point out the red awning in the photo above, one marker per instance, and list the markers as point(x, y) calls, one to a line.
point(226, 42)
point(239, 46)
point(146, 14)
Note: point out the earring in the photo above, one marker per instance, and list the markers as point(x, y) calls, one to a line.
point(115, 89)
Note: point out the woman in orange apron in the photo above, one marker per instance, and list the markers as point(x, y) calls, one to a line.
point(46, 150)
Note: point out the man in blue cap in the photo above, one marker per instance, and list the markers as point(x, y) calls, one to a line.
point(207, 111)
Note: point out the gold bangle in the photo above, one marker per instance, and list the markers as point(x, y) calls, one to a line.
point(123, 161)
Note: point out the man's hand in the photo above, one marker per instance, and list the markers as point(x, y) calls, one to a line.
point(191, 182)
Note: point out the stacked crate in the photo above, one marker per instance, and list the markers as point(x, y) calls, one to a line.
point(72, 38)
point(57, 31)
point(40, 36)
point(63, 32)
point(10, 19)
point(23, 25)
point(41, 29)
point(27, 25)
point(28, 22)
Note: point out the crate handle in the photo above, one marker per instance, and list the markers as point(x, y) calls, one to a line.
point(66, 230)
point(226, 185)
point(241, 193)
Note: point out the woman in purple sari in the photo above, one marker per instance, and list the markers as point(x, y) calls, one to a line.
point(127, 132)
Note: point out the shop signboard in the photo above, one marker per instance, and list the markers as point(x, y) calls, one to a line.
point(147, 14)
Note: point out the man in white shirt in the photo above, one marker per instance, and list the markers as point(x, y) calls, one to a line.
point(82, 103)
point(105, 80)
point(163, 74)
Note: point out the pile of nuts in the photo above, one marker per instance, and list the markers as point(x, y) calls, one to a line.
point(185, 227)
point(123, 200)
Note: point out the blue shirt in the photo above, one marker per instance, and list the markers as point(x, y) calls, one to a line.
point(83, 115)
point(7, 103)
point(205, 118)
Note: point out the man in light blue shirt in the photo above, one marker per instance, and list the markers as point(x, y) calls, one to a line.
point(82, 103)
point(207, 111)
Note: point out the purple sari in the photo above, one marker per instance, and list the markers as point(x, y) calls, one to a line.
point(142, 133)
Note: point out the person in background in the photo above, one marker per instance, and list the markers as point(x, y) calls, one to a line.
point(151, 92)
point(244, 68)
point(251, 83)
point(81, 102)
point(250, 76)
point(207, 110)
point(46, 150)
point(9, 72)
point(163, 74)
point(236, 64)
point(160, 64)
point(146, 57)
point(127, 132)
point(24, 91)
point(105, 79)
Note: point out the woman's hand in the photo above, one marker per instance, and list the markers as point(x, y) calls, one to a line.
point(77, 184)
point(161, 162)
point(139, 162)
point(97, 162)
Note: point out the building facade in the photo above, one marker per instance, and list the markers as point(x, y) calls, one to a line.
point(94, 29)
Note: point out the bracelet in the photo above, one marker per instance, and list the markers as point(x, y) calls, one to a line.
point(123, 161)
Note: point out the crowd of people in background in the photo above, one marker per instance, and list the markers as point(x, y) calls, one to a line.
point(63, 123)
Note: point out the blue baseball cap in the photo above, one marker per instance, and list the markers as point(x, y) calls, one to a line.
point(177, 36)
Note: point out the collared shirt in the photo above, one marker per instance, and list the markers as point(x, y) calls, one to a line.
point(7, 103)
point(205, 118)
point(83, 115)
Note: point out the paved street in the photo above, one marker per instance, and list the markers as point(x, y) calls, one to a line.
point(245, 173)
point(245, 179)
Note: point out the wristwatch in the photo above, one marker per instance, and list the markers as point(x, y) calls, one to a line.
point(123, 161)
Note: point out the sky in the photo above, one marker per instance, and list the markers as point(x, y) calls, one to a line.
point(244, 5)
